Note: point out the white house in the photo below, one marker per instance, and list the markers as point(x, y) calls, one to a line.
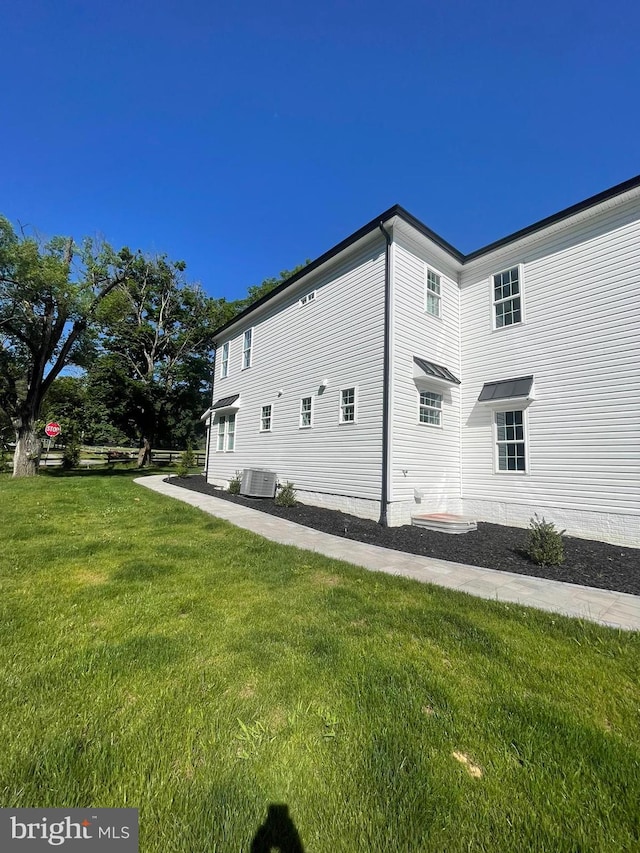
point(395, 376)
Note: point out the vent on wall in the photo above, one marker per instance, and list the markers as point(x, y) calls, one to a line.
point(258, 483)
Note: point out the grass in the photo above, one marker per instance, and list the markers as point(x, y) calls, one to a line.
point(155, 657)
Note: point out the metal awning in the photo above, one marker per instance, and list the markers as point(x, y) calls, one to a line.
point(507, 389)
point(225, 403)
point(435, 371)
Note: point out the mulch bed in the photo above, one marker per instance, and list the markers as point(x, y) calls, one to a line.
point(491, 546)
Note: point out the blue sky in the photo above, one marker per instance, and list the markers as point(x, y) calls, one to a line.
point(247, 137)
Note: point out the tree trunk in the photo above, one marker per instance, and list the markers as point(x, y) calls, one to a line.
point(144, 454)
point(26, 457)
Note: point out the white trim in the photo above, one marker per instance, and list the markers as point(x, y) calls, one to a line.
point(353, 388)
point(310, 424)
point(495, 302)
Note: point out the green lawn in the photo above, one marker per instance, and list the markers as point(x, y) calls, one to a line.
point(155, 657)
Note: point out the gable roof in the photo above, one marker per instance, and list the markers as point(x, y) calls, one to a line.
point(423, 229)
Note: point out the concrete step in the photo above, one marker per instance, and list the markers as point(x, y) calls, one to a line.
point(444, 522)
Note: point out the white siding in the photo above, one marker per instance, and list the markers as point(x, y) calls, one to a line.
point(423, 457)
point(338, 337)
point(581, 341)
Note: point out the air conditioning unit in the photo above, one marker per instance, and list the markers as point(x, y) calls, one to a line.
point(258, 483)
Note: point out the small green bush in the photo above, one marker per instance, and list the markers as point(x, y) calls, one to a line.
point(544, 546)
point(286, 495)
point(234, 483)
point(71, 453)
point(187, 461)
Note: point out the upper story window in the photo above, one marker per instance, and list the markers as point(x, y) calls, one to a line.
point(510, 441)
point(308, 297)
point(432, 301)
point(224, 369)
point(306, 412)
point(265, 419)
point(246, 348)
point(347, 405)
point(430, 408)
point(507, 297)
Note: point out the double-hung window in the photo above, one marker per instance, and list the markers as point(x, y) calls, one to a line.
point(507, 297)
point(246, 348)
point(226, 432)
point(224, 371)
point(347, 405)
point(432, 300)
point(510, 441)
point(430, 408)
point(222, 426)
point(265, 419)
point(306, 412)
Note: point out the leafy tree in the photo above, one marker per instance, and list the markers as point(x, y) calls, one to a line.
point(47, 317)
point(257, 291)
point(155, 367)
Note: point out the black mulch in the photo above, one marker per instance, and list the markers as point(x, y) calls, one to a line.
point(492, 546)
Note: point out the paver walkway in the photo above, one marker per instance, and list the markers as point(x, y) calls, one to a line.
point(616, 609)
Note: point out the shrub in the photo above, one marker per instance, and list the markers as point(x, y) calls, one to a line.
point(234, 483)
point(286, 495)
point(544, 546)
point(187, 461)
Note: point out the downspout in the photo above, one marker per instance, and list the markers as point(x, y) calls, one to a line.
point(385, 379)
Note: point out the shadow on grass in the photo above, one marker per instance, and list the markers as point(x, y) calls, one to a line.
point(103, 472)
point(277, 832)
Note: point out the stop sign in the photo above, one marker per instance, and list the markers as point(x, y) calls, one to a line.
point(52, 429)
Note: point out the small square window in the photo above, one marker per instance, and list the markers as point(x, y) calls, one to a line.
point(432, 301)
point(430, 408)
point(306, 412)
point(347, 405)
point(308, 297)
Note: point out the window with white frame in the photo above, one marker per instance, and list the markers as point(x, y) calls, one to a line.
point(222, 426)
point(308, 297)
point(507, 297)
point(306, 412)
point(226, 432)
point(430, 408)
point(347, 405)
point(246, 348)
point(231, 432)
point(510, 441)
point(265, 419)
point(224, 371)
point(432, 302)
